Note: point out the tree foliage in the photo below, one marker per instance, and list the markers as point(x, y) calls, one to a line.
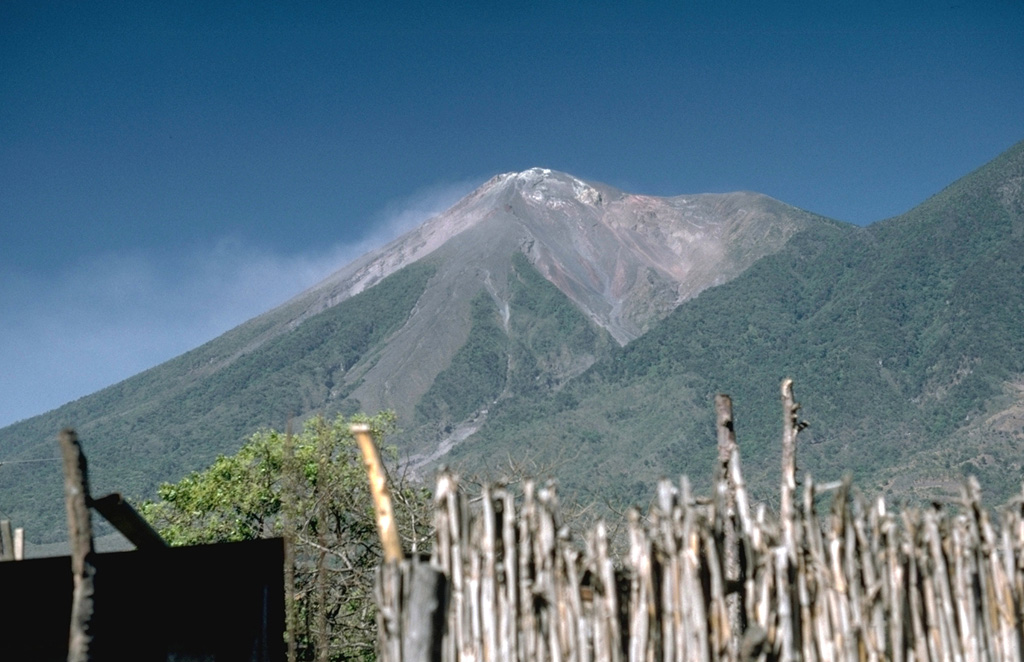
point(311, 488)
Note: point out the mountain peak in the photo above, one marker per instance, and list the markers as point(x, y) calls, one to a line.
point(542, 185)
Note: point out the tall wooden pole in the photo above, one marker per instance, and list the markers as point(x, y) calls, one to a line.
point(726, 433)
point(76, 499)
point(414, 594)
point(727, 501)
point(379, 491)
point(789, 623)
point(790, 427)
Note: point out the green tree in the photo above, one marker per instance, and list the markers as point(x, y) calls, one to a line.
point(311, 488)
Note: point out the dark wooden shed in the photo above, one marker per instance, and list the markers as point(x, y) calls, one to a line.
point(211, 602)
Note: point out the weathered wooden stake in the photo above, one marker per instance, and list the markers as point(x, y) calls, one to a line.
point(730, 556)
point(128, 521)
point(412, 595)
point(379, 491)
point(425, 594)
point(76, 499)
point(789, 431)
point(288, 509)
point(726, 434)
point(6, 540)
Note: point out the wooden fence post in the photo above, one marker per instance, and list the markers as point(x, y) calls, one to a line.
point(288, 510)
point(790, 427)
point(6, 541)
point(412, 596)
point(379, 491)
point(128, 521)
point(76, 499)
point(727, 519)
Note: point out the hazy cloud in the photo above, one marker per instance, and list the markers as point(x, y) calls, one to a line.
point(107, 317)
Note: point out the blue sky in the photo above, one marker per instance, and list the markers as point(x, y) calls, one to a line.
point(168, 170)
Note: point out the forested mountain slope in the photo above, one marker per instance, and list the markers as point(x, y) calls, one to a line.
point(905, 340)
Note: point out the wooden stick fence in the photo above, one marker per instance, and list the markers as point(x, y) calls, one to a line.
point(711, 580)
